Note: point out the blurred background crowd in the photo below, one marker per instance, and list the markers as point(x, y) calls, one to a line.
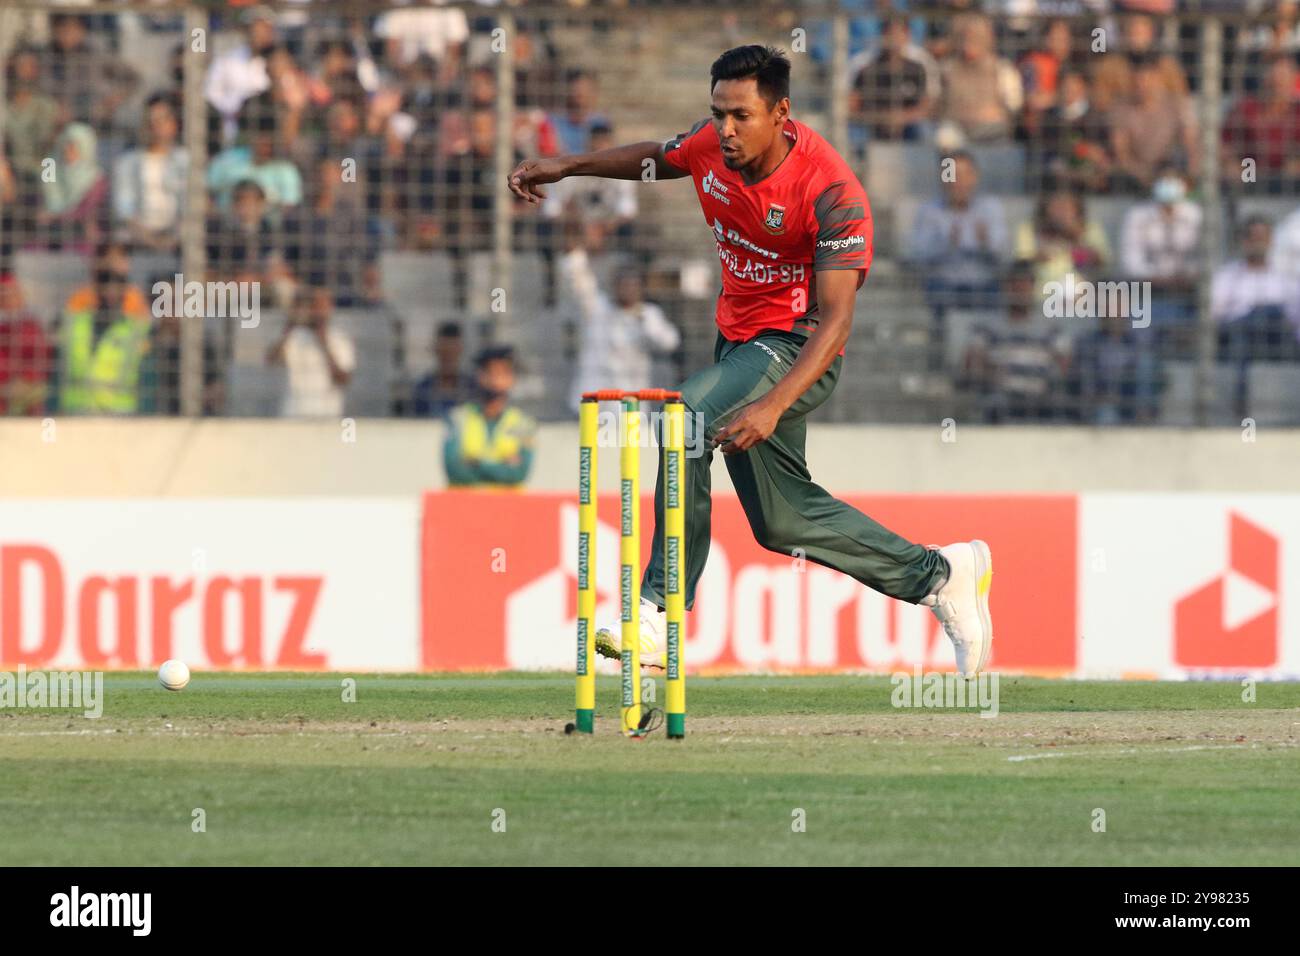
point(1085, 210)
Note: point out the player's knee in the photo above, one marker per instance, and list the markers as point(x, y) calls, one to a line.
point(775, 536)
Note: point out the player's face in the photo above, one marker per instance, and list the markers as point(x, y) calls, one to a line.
point(747, 126)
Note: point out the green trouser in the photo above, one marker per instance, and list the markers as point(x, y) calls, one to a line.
point(786, 510)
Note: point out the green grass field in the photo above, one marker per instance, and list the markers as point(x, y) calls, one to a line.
point(419, 767)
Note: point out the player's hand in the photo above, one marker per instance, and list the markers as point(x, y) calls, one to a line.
point(530, 174)
point(753, 424)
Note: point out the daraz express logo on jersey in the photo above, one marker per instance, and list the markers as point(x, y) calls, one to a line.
point(711, 186)
point(736, 239)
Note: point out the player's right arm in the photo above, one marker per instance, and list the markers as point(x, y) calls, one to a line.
point(617, 162)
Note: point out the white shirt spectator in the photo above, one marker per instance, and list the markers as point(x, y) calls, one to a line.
point(1237, 289)
point(968, 260)
point(1284, 256)
point(617, 344)
point(599, 200)
point(426, 30)
point(234, 78)
point(1156, 246)
point(311, 392)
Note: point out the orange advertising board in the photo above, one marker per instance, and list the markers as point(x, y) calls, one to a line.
point(499, 586)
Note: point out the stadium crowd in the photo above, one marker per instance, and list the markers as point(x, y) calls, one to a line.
point(332, 140)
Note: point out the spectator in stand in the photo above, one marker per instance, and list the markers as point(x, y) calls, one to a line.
point(536, 63)
point(214, 123)
point(1280, 35)
point(1265, 129)
point(619, 336)
point(436, 32)
point(241, 74)
point(943, 29)
point(160, 371)
point(1256, 307)
point(149, 182)
point(285, 102)
point(337, 75)
point(958, 242)
point(465, 192)
point(431, 105)
point(9, 231)
point(1114, 80)
point(489, 441)
point(982, 92)
point(1074, 139)
point(1116, 374)
point(1158, 128)
point(26, 355)
point(893, 87)
point(534, 133)
point(329, 237)
point(244, 246)
point(89, 84)
point(110, 258)
point(260, 159)
point(1017, 367)
point(1040, 72)
point(1160, 243)
point(319, 359)
point(1061, 240)
point(1255, 47)
point(344, 134)
point(608, 206)
point(103, 338)
point(74, 200)
point(30, 119)
point(446, 385)
point(1284, 256)
point(573, 126)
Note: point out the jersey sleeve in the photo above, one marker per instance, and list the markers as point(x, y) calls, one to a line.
point(678, 150)
point(842, 220)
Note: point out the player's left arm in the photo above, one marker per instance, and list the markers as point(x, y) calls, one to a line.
point(836, 291)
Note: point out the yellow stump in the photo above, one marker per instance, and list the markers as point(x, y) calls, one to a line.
point(675, 563)
point(630, 563)
point(588, 417)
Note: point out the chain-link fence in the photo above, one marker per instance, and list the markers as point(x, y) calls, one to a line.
point(1082, 213)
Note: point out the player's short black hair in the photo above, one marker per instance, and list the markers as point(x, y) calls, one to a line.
point(494, 353)
point(769, 67)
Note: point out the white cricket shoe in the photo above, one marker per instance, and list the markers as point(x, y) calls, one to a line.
point(962, 604)
point(654, 637)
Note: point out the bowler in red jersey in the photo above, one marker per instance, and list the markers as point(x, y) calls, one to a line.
point(793, 231)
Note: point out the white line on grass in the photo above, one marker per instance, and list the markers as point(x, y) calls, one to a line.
point(1140, 750)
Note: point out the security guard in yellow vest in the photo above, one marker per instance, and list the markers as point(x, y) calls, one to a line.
point(488, 442)
point(102, 344)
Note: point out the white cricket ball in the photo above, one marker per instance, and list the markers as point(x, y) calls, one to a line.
point(174, 675)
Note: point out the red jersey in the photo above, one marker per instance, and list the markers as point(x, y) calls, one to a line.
point(810, 213)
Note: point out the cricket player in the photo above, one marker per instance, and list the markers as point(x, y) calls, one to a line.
point(794, 236)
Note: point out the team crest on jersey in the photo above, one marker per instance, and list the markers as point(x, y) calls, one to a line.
point(775, 219)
